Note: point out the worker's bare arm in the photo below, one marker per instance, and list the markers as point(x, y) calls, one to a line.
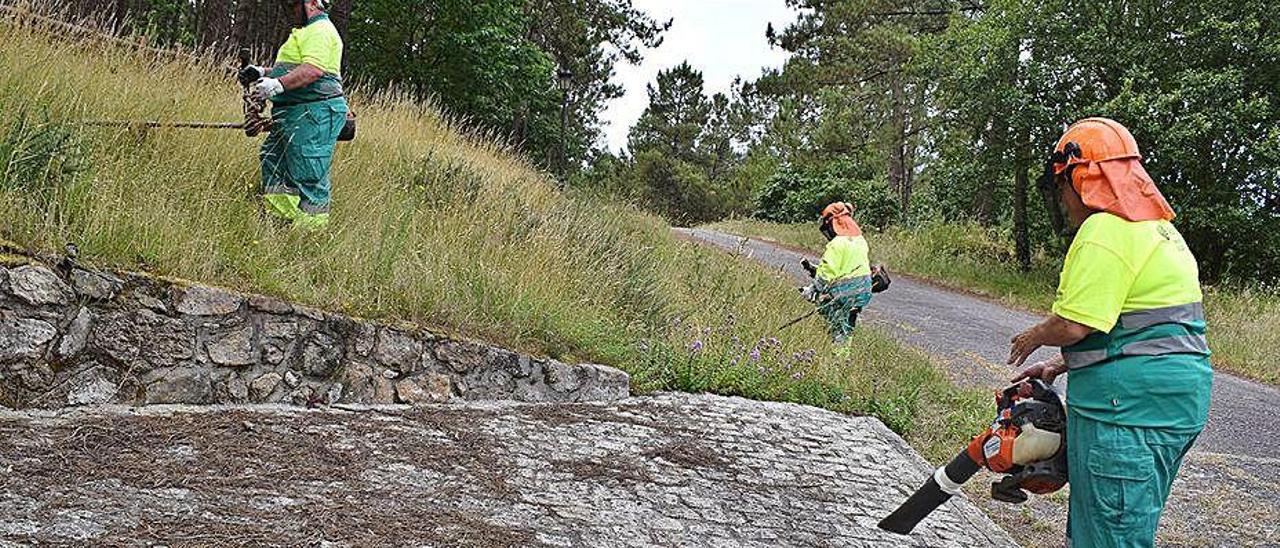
point(1054, 331)
point(301, 76)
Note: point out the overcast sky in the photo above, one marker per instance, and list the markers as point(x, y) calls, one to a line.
point(721, 38)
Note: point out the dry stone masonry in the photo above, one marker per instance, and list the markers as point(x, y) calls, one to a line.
point(578, 463)
point(75, 336)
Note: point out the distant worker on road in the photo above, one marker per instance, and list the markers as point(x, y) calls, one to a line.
point(842, 279)
point(1129, 320)
point(308, 112)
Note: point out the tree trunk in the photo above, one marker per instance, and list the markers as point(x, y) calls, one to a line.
point(1021, 233)
point(984, 196)
point(897, 145)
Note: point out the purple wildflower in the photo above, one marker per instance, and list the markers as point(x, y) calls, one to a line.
point(796, 376)
point(755, 354)
point(696, 346)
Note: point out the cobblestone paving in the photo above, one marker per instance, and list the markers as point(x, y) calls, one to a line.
point(667, 470)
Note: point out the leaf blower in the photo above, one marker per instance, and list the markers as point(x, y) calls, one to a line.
point(1026, 442)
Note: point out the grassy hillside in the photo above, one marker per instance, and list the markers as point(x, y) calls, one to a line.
point(1244, 323)
point(430, 225)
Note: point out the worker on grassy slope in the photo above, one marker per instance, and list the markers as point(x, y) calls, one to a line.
point(842, 280)
point(1129, 320)
point(308, 112)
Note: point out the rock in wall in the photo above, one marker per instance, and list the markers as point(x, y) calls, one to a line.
point(74, 336)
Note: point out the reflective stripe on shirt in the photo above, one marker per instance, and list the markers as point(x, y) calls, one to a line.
point(1126, 339)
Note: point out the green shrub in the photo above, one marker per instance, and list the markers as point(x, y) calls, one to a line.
point(794, 195)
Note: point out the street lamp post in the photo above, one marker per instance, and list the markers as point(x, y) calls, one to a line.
point(563, 80)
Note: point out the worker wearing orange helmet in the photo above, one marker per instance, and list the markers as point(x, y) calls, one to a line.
point(1129, 320)
point(842, 281)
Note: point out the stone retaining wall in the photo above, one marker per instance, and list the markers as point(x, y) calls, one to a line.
point(73, 336)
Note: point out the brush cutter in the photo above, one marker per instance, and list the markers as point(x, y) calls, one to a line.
point(254, 123)
point(1027, 442)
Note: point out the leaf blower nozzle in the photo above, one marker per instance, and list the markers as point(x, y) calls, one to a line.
point(1027, 442)
point(939, 488)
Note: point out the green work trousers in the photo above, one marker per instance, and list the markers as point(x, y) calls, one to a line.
point(297, 156)
point(1120, 478)
point(841, 304)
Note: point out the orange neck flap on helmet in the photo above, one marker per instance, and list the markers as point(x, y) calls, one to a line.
point(1106, 170)
point(840, 215)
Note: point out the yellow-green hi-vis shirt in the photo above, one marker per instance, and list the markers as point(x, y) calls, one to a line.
point(319, 45)
point(1138, 285)
point(844, 257)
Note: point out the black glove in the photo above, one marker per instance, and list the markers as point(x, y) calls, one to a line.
point(250, 74)
point(809, 267)
point(879, 278)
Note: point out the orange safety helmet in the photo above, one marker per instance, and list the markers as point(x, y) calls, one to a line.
point(1102, 159)
point(837, 220)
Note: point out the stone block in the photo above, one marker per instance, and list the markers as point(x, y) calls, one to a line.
point(151, 303)
point(461, 357)
point(433, 388)
point(31, 375)
point(610, 384)
point(269, 305)
point(262, 387)
point(207, 301)
point(94, 386)
point(144, 340)
point(39, 286)
point(235, 389)
point(76, 335)
point(398, 350)
point(280, 329)
point(273, 354)
point(23, 337)
point(95, 285)
point(233, 349)
point(321, 356)
point(181, 385)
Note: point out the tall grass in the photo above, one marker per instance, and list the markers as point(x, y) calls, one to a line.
point(1244, 323)
point(431, 225)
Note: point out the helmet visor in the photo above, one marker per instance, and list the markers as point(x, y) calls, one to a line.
point(1050, 186)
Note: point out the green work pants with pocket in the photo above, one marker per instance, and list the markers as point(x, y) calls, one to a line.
point(841, 303)
point(1120, 478)
point(297, 157)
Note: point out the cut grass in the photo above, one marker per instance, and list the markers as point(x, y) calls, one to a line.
point(431, 225)
point(1244, 324)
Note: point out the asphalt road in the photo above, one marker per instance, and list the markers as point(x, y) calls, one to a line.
point(970, 335)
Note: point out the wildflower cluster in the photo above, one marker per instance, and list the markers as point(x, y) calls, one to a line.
point(692, 357)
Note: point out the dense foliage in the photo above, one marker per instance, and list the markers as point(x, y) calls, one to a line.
point(949, 107)
point(687, 160)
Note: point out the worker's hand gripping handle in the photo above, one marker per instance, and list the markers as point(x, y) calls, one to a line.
point(253, 122)
point(939, 488)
